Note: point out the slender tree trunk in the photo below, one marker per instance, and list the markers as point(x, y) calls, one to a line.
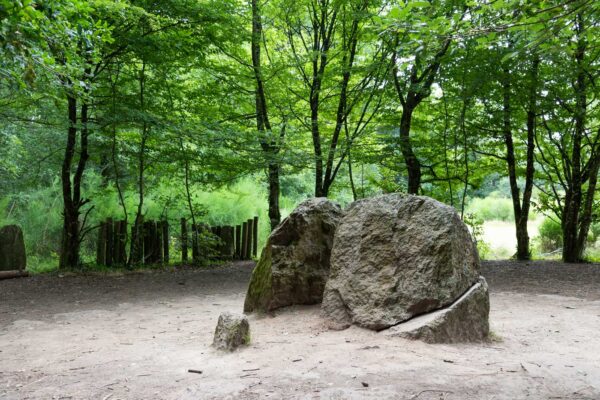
point(523, 251)
point(413, 165)
point(520, 217)
point(588, 207)
point(69, 254)
point(463, 113)
point(114, 154)
point(274, 213)
point(349, 49)
point(188, 194)
point(418, 89)
point(349, 160)
point(138, 226)
point(72, 198)
point(318, 152)
point(323, 27)
point(270, 147)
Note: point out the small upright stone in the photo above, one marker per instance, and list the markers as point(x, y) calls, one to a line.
point(232, 332)
point(12, 249)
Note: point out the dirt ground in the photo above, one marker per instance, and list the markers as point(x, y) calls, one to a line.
point(135, 336)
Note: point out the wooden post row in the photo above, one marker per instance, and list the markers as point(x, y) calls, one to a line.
point(112, 238)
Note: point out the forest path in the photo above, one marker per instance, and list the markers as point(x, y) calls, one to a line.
point(135, 336)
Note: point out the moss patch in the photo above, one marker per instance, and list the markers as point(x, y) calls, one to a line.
point(260, 292)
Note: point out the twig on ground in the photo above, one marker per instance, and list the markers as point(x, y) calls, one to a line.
point(194, 371)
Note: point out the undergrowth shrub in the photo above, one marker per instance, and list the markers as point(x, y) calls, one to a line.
point(475, 225)
point(549, 235)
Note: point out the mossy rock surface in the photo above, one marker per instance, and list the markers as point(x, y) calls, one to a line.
point(294, 265)
point(232, 331)
point(260, 290)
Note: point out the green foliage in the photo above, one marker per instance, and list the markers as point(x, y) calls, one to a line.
point(550, 235)
point(492, 208)
point(38, 213)
point(475, 225)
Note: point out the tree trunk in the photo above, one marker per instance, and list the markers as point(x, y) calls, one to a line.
point(588, 207)
point(271, 148)
point(413, 165)
point(274, 213)
point(343, 109)
point(69, 254)
point(573, 197)
point(523, 251)
point(520, 217)
point(137, 238)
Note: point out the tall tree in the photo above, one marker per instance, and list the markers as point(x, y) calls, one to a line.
point(270, 143)
point(414, 74)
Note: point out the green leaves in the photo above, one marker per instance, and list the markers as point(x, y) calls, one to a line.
point(401, 12)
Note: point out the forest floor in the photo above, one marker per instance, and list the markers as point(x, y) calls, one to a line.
point(135, 336)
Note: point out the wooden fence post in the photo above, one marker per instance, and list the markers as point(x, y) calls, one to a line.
point(238, 242)
point(137, 232)
point(101, 249)
point(227, 247)
point(122, 243)
point(165, 239)
point(249, 239)
point(195, 245)
point(147, 258)
point(184, 241)
point(158, 243)
point(255, 238)
point(244, 240)
point(109, 243)
point(115, 242)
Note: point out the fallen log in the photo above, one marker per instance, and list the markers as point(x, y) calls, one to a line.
point(13, 274)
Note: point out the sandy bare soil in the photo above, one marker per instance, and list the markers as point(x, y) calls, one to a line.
point(135, 337)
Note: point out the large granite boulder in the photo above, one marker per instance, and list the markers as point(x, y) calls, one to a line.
point(12, 249)
point(465, 320)
point(395, 257)
point(232, 331)
point(294, 265)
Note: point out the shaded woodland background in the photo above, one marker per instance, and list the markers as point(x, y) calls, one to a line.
point(217, 111)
